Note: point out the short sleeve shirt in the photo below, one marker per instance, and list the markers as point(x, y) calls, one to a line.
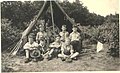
point(64, 34)
point(30, 46)
point(41, 35)
point(75, 36)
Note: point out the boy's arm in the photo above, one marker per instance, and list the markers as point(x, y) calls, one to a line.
point(26, 46)
point(36, 44)
point(79, 36)
point(70, 36)
point(37, 36)
point(62, 49)
point(46, 35)
point(67, 34)
point(71, 51)
point(51, 45)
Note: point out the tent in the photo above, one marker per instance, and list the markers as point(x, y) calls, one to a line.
point(54, 7)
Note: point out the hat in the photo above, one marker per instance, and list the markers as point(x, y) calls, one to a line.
point(35, 53)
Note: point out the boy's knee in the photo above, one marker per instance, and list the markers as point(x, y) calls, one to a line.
point(27, 51)
point(77, 53)
point(60, 55)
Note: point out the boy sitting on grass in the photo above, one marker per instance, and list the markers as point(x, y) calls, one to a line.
point(67, 51)
point(29, 47)
point(54, 48)
point(75, 39)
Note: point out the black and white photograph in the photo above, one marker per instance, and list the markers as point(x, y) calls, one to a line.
point(59, 35)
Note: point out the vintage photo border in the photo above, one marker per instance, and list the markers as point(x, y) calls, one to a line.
point(60, 72)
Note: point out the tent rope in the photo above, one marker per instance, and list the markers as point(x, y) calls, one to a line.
point(11, 45)
point(12, 50)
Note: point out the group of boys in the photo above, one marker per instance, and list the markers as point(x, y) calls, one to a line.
point(65, 45)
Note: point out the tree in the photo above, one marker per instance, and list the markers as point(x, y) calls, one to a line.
point(20, 12)
point(8, 33)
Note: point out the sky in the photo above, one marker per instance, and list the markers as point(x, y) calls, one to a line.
point(101, 7)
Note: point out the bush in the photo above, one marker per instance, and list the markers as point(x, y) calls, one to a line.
point(108, 33)
point(8, 33)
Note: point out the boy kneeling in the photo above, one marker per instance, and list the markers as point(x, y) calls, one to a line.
point(31, 49)
point(67, 51)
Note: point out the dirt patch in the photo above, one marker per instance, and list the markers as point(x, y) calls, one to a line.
point(89, 61)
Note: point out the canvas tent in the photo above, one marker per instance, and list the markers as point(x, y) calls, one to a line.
point(54, 7)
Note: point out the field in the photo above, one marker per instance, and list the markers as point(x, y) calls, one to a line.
point(88, 61)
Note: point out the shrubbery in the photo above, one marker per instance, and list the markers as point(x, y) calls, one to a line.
point(107, 33)
point(8, 33)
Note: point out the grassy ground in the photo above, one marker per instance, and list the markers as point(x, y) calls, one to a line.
point(88, 61)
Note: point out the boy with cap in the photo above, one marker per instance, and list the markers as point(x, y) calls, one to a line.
point(29, 46)
point(75, 39)
point(67, 51)
point(63, 34)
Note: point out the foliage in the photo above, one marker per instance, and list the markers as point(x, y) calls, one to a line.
point(8, 33)
point(108, 33)
point(81, 14)
point(19, 12)
point(22, 12)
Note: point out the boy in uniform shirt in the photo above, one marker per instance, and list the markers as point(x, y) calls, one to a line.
point(75, 39)
point(63, 34)
point(30, 46)
point(67, 51)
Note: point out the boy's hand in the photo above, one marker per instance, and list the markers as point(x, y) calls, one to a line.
point(36, 41)
point(57, 46)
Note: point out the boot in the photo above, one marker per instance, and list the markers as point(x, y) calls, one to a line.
point(27, 60)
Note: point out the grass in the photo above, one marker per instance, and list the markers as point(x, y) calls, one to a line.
point(89, 61)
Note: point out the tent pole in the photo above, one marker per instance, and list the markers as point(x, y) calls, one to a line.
point(51, 9)
point(34, 21)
